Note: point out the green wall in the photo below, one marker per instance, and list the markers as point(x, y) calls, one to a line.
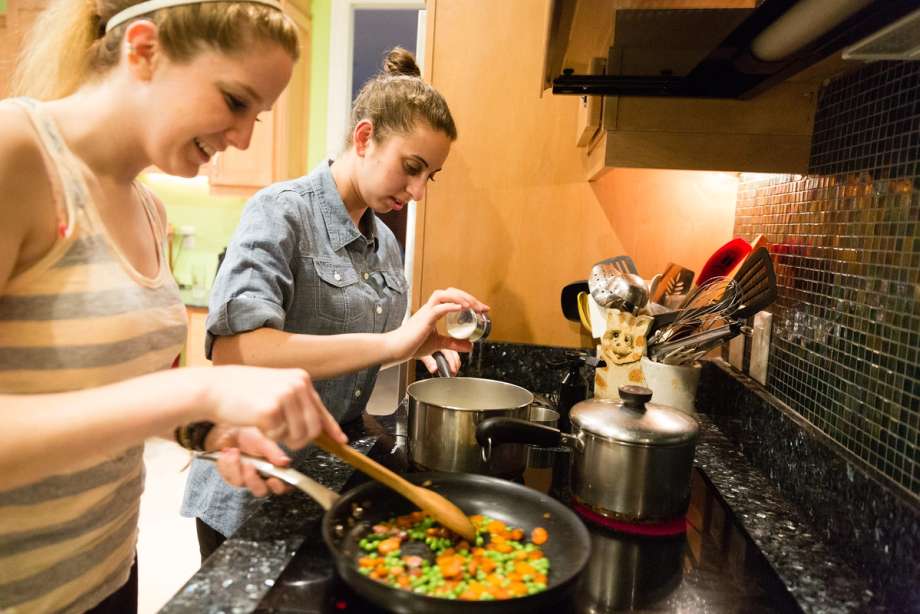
point(319, 80)
point(213, 218)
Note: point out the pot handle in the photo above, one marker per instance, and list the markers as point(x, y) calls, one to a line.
point(495, 431)
point(443, 367)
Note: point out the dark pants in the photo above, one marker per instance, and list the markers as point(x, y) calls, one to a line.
point(122, 601)
point(209, 540)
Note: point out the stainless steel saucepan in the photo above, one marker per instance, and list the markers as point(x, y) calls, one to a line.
point(631, 458)
point(444, 413)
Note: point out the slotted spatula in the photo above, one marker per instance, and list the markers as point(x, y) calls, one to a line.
point(675, 280)
point(757, 280)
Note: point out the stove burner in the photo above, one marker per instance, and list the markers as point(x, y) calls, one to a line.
point(667, 528)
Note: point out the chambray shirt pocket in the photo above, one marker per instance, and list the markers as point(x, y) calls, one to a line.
point(337, 297)
point(397, 287)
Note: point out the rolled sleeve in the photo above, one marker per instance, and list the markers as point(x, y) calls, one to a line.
point(255, 284)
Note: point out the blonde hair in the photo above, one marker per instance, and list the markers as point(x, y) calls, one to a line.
point(68, 45)
point(397, 98)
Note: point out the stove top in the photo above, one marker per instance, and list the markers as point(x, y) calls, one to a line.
point(711, 567)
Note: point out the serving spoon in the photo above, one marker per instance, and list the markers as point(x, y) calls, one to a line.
point(440, 508)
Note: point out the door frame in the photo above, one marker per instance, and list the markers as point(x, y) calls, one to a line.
point(341, 44)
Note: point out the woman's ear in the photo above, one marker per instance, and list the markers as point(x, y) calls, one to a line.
point(362, 136)
point(142, 48)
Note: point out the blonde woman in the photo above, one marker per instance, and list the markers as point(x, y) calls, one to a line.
point(313, 279)
point(90, 319)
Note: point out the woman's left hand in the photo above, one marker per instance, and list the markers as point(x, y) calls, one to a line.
point(418, 336)
point(249, 440)
point(453, 361)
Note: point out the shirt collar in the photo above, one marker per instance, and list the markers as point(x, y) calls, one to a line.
point(339, 225)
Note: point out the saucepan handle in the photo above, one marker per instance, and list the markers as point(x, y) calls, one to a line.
point(495, 431)
point(319, 493)
point(443, 366)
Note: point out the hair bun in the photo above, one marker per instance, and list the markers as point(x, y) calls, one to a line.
point(399, 61)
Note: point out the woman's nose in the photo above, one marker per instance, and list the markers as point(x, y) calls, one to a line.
point(416, 188)
point(240, 135)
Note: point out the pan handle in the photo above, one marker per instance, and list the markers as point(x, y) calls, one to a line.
point(443, 367)
point(319, 493)
point(495, 431)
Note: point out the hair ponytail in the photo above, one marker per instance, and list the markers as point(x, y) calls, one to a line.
point(55, 57)
point(397, 98)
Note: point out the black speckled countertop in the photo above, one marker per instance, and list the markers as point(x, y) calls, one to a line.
point(241, 576)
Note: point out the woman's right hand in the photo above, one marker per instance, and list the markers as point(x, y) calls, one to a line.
point(282, 403)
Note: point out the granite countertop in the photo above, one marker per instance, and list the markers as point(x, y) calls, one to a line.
point(237, 578)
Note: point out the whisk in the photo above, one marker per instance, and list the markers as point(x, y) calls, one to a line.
point(709, 305)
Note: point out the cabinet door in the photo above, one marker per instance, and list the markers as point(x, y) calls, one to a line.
point(14, 26)
point(278, 149)
point(251, 168)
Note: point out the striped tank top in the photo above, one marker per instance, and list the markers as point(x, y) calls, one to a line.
point(80, 317)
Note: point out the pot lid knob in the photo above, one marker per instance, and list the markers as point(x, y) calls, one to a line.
point(635, 397)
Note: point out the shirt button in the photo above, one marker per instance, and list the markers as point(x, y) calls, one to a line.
point(379, 309)
point(357, 393)
point(367, 276)
point(337, 277)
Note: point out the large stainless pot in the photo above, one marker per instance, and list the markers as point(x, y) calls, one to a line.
point(631, 459)
point(444, 413)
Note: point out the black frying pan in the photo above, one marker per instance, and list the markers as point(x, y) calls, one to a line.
point(567, 549)
point(568, 546)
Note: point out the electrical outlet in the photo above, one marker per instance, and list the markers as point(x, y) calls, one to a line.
point(760, 346)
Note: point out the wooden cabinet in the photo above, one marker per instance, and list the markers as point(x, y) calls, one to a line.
point(193, 355)
point(14, 25)
point(278, 148)
point(770, 132)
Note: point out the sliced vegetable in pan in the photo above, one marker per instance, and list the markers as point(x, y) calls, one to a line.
point(415, 553)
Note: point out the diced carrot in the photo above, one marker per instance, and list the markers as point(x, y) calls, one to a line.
point(540, 578)
point(403, 581)
point(524, 569)
point(388, 545)
point(487, 564)
point(463, 545)
point(517, 534)
point(536, 554)
point(496, 526)
point(539, 536)
point(367, 561)
point(518, 589)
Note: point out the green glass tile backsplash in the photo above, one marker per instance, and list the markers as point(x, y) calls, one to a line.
point(845, 241)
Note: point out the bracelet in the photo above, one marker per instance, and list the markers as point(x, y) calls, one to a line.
point(191, 436)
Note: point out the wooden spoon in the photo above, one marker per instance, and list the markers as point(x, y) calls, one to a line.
point(439, 507)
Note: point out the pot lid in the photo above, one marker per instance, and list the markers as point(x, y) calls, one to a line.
point(634, 419)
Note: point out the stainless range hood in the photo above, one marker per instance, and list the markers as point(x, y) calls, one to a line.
point(772, 42)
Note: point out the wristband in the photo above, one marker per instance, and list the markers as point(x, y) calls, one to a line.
point(191, 436)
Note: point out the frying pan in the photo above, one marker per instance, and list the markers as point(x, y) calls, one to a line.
point(568, 547)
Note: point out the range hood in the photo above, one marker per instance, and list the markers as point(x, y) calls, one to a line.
point(764, 46)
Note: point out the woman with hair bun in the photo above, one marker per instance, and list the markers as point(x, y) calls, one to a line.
point(312, 278)
point(90, 317)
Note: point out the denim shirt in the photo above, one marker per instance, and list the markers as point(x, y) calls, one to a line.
point(298, 263)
